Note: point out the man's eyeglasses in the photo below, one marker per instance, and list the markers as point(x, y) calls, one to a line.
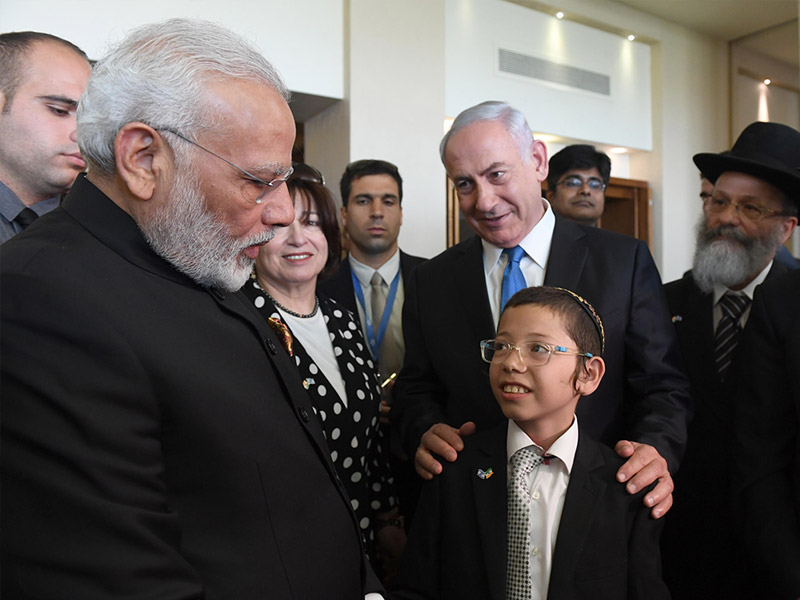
point(746, 210)
point(532, 353)
point(575, 182)
point(267, 185)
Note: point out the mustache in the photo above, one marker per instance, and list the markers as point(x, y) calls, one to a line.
point(727, 232)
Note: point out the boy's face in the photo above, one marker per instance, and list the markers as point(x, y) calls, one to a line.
point(539, 398)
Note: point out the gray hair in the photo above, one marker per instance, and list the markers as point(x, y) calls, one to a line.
point(512, 119)
point(158, 75)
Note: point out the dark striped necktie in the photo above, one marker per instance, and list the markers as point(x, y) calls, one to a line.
point(727, 335)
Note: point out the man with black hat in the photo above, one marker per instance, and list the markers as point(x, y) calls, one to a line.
point(751, 212)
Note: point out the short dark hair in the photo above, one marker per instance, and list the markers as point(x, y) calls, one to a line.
point(581, 321)
point(14, 48)
point(362, 168)
point(326, 208)
point(578, 156)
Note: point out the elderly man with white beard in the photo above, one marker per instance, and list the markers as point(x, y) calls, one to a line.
point(157, 441)
point(750, 213)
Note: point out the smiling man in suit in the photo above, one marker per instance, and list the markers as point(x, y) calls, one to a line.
point(750, 212)
point(453, 302)
point(156, 439)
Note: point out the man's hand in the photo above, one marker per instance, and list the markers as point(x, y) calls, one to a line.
point(644, 466)
point(444, 441)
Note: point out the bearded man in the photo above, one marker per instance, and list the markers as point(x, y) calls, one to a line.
point(750, 213)
point(156, 439)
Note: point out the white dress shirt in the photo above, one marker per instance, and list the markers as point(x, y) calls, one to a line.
point(547, 485)
point(537, 250)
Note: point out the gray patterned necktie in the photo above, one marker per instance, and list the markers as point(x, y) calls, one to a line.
point(518, 578)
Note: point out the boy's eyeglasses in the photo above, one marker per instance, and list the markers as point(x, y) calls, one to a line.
point(532, 353)
point(575, 182)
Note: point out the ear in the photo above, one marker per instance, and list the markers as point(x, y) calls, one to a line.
point(590, 376)
point(539, 159)
point(787, 227)
point(142, 159)
point(343, 215)
point(2, 102)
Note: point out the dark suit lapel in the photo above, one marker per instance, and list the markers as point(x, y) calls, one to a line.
point(567, 255)
point(471, 289)
point(580, 507)
point(490, 508)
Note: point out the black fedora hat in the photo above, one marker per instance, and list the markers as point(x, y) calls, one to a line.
point(769, 151)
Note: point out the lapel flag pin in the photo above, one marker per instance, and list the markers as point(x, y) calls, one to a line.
point(677, 319)
point(308, 382)
point(485, 474)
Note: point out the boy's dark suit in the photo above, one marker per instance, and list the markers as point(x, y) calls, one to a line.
point(645, 393)
point(339, 286)
point(607, 544)
point(701, 551)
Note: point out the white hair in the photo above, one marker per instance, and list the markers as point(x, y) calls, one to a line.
point(511, 118)
point(158, 75)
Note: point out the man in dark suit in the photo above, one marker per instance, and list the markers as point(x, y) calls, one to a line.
point(767, 436)
point(372, 213)
point(156, 440)
point(749, 214)
point(41, 78)
point(453, 302)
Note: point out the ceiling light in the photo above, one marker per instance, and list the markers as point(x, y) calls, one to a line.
point(631, 37)
point(767, 81)
point(559, 15)
point(618, 150)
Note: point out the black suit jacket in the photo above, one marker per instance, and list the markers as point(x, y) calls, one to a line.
point(607, 544)
point(644, 395)
point(156, 440)
point(701, 551)
point(339, 286)
point(767, 435)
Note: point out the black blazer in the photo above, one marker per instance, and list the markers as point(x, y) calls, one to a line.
point(700, 548)
point(339, 285)
point(156, 440)
point(644, 395)
point(766, 444)
point(606, 548)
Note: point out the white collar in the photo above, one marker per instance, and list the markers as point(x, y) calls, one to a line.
point(563, 448)
point(536, 244)
point(388, 270)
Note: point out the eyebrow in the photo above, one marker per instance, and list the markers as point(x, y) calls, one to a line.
point(273, 168)
point(61, 99)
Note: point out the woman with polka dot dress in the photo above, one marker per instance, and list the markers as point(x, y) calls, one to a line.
point(328, 347)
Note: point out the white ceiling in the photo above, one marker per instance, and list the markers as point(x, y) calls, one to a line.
point(766, 26)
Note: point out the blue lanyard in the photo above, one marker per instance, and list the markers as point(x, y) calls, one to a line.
point(375, 341)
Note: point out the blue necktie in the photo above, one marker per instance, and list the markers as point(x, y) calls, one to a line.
point(513, 281)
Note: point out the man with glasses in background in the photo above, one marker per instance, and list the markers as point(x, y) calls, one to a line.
point(156, 439)
point(576, 183)
point(750, 212)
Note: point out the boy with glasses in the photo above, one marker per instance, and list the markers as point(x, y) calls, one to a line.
point(531, 509)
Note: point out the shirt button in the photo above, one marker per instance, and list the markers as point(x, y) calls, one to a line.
point(534, 552)
point(536, 495)
point(303, 414)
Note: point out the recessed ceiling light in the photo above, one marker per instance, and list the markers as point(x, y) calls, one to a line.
point(559, 15)
point(767, 81)
point(631, 37)
point(618, 150)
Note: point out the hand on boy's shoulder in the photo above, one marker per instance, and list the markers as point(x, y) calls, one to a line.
point(645, 466)
point(443, 441)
